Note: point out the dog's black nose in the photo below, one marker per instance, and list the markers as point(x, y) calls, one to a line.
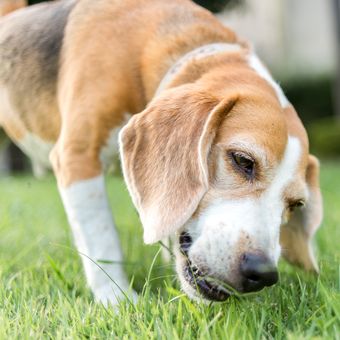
point(257, 272)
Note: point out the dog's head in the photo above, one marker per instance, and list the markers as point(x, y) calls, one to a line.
point(227, 172)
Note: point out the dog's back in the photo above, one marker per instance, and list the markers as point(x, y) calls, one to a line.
point(30, 43)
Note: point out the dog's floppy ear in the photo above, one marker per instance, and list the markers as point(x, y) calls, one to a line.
point(164, 152)
point(297, 234)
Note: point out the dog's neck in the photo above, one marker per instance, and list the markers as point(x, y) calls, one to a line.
point(199, 53)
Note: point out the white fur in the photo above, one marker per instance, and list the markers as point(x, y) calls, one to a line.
point(38, 151)
point(110, 151)
point(257, 65)
point(33, 146)
point(36, 148)
point(272, 200)
point(89, 215)
point(217, 231)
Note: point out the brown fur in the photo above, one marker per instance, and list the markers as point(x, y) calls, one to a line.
point(7, 6)
point(296, 236)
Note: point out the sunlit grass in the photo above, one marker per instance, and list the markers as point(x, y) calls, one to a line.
point(43, 292)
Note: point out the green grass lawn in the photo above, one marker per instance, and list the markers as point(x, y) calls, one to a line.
point(43, 292)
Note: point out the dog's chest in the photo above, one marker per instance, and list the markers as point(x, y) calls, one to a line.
point(36, 149)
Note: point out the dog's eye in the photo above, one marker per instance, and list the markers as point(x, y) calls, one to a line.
point(296, 204)
point(244, 163)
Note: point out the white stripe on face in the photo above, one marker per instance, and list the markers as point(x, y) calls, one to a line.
point(272, 201)
point(227, 228)
point(256, 64)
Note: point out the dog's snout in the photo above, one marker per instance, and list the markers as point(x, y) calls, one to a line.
point(257, 272)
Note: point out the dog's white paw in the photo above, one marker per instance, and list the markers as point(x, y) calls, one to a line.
point(112, 295)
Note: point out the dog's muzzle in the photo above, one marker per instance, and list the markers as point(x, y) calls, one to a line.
point(255, 272)
point(197, 279)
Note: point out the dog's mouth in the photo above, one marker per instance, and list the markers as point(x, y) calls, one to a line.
point(196, 278)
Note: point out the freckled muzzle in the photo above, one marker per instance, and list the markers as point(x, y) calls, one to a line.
point(198, 279)
point(255, 272)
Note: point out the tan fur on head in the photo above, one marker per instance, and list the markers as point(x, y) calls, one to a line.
point(8, 6)
point(297, 234)
point(164, 154)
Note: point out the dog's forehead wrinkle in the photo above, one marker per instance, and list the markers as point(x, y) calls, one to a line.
point(247, 144)
point(260, 149)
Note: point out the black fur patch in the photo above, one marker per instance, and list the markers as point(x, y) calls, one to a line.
point(30, 52)
point(43, 36)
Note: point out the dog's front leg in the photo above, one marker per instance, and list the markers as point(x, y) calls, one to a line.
point(82, 188)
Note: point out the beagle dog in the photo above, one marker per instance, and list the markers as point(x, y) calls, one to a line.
point(213, 154)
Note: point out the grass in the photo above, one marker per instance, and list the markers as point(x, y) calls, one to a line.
point(43, 292)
